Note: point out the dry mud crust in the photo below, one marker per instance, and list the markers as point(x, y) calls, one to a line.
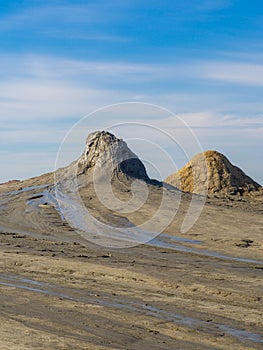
point(198, 290)
point(61, 295)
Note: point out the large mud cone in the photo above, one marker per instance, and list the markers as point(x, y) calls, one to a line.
point(104, 149)
point(105, 190)
point(105, 159)
point(220, 176)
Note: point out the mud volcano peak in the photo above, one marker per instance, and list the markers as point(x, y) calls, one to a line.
point(104, 149)
point(212, 169)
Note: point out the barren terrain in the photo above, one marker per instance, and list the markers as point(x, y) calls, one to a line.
point(198, 290)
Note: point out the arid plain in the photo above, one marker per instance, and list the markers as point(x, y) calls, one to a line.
point(201, 289)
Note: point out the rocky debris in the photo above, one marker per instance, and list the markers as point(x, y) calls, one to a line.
point(257, 195)
point(213, 173)
point(245, 243)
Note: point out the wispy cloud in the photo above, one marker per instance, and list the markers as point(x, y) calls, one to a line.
point(201, 59)
point(231, 72)
point(87, 21)
point(48, 87)
point(236, 72)
point(78, 21)
point(79, 35)
point(210, 126)
point(44, 90)
point(70, 13)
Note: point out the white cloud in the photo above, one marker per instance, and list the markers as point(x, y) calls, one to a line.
point(215, 120)
point(38, 95)
point(32, 100)
point(34, 87)
point(71, 13)
point(99, 12)
point(231, 72)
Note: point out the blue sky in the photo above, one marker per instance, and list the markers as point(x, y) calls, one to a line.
point(60, 60)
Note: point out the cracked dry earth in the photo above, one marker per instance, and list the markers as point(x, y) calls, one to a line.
point(198, 290)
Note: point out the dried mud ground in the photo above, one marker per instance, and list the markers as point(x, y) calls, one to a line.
point(61, 292)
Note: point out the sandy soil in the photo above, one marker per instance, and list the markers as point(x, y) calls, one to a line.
point(198, 290)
